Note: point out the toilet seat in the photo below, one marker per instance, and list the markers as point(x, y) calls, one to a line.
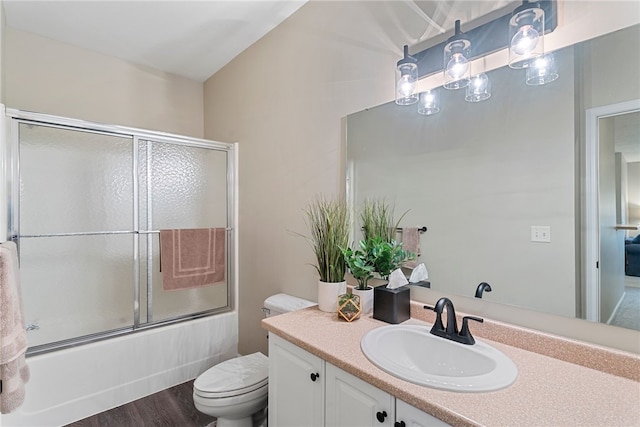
point(234, 377)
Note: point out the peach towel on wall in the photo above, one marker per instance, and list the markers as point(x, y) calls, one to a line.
point(192, 258)
point(14, 372)
point(411, 243)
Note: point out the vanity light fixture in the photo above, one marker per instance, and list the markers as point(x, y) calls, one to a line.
point(526, 30)
point(487, 38)
point(456, 60)
point(526, 26)
point(429, 102)
point(542, 70)
point(406, 79)
point(479, 88)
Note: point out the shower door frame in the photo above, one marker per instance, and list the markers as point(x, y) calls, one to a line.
point(10, 159)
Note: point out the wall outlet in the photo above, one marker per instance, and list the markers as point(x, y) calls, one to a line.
point(541, 233)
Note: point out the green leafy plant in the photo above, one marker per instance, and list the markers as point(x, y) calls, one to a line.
point(329, 224)
point(389, 257)
point(377, 220)
point(375, 255)
point(361, 263)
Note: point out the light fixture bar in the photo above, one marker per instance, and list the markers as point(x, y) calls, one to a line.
point(487, 38)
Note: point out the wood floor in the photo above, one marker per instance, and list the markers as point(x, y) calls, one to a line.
point(169, 408)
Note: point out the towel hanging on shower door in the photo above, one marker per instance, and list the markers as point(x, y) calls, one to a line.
point(192, 258)
point(14, 372)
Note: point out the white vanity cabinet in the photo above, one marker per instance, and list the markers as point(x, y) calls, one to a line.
point(304, 390)
point(349, 401)
point(296, 385)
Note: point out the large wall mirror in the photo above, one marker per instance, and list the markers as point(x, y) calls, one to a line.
point(482, 176)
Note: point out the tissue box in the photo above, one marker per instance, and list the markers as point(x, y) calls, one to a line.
point(391, 305)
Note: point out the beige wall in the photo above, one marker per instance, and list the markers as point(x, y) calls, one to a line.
point(284, 100)
point(605, 82)
point(55, 78)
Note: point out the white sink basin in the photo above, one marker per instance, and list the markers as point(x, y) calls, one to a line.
point(411, 353)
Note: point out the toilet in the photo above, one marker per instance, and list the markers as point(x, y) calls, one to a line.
point(235, 391)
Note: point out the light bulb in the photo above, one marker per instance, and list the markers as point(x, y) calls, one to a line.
point(429, 103)
point(406, 79)
point(406, 85)
point(541, 64)
point(479, 88)
point(542, 70)
point(479, 82)
point(457, 66)
point(525, 40)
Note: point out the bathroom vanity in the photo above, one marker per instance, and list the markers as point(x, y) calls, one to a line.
point(319, 374)
point(303, 386)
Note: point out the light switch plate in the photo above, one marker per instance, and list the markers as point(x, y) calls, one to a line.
point(541, 233)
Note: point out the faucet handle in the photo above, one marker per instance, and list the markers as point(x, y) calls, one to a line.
point(465, 332)
point(437, 325)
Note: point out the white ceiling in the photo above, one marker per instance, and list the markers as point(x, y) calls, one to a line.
point(189, 38)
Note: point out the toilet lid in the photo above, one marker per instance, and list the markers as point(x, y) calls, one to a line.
point(234, 376)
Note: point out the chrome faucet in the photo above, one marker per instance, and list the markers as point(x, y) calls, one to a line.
point(451, 331)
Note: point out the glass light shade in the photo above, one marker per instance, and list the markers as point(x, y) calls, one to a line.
point(406, 79)
point(456, 64)
point(542, 70)
point(526, 35)
point(479, 88)
point(429, 103)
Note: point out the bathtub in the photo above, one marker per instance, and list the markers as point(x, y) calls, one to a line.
point(72, 384)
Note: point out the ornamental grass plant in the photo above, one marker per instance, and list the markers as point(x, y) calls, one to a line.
point(329, 223)
point(377, 218)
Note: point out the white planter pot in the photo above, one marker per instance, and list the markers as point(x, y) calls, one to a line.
point(366, 299)
point(328, 295)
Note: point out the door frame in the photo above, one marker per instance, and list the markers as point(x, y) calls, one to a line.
point(592, 223)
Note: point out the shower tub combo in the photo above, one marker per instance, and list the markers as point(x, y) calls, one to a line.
point(85, 203)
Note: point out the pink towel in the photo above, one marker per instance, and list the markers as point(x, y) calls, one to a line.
point(13, 337)
point(411, 243)
point(192, 258)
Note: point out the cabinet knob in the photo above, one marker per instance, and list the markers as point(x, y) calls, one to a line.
point(381, 416)
point(314, 376)
point(399, 424)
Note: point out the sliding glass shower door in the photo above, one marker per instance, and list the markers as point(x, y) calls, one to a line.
point(72, 183)
point(87, 209)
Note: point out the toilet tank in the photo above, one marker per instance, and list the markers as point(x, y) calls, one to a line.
point(284, 303)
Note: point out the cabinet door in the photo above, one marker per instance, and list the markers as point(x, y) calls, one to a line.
point(351, 402)
point(296, 392)
point(410, 416)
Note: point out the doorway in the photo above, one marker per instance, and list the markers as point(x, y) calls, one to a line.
point(611, 216)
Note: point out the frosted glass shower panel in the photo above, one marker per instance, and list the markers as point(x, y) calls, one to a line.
point(74, 181)
point(186, 187)
point(75, 286)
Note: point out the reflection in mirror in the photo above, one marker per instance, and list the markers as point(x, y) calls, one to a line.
point(488, 179)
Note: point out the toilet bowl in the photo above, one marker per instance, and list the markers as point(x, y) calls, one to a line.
point(235, 391)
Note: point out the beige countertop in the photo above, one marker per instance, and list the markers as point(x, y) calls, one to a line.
point(547, 392)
